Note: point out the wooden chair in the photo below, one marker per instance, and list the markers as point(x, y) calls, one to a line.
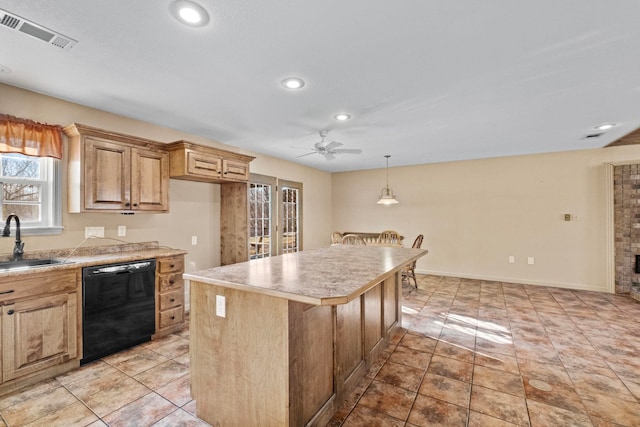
point(336, 237)
point(353, 239)
point(410, 270)
point(389, 237)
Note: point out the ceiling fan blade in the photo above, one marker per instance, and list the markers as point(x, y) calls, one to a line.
point(329, 156)
point(349, 150)
point(332, 145)
point(308, 154)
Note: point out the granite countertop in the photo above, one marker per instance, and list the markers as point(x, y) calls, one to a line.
point(326, 276)
point(92, 255)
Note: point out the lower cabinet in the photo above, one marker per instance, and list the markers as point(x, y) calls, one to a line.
point(169, 295)
point(40, 318)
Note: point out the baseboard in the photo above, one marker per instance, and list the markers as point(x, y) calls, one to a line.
point(576, 286)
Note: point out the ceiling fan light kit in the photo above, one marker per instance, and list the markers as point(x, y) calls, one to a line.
point(386, 195)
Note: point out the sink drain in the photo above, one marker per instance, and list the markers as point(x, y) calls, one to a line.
point(540, 385)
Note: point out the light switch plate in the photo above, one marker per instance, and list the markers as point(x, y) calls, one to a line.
point(122, 230)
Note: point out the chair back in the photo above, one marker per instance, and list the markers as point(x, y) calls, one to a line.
point(418, 242)
point(336, 237)
point(389, 237)
point(353, 239)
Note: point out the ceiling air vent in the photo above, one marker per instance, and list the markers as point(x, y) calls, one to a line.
point(17, 23)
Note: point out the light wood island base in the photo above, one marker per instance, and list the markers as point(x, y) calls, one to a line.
point(278, 361)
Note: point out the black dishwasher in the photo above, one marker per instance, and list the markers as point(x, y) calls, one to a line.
point(118, 307)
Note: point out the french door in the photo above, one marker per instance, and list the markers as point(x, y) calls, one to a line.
point(275, 216)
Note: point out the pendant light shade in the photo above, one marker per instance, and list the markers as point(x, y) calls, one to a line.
point(386, 195)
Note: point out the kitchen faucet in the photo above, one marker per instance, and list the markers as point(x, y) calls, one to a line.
point(18, 249)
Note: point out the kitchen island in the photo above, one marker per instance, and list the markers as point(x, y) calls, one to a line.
point(281, 341)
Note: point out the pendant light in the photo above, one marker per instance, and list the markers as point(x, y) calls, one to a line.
point(386, 195)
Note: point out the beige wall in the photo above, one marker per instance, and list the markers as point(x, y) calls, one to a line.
point(194, 207)
point(475, 214)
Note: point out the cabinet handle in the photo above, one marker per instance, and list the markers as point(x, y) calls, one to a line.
point(135, 205)
point(172, 265)
point(10, 291)
point(171, 282)
point(10, 312)
point(173, 317)
point(172, 300)
point(127, 204)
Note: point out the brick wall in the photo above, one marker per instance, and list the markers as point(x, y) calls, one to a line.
point(626, 184)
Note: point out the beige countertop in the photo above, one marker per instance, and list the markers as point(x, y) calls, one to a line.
point(92, 255)
point(326, 276)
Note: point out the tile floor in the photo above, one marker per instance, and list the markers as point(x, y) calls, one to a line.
point(474, 353)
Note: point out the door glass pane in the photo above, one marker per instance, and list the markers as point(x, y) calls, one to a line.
point(259, 220)
point(290, 220)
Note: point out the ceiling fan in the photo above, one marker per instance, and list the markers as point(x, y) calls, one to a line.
point(329, 150)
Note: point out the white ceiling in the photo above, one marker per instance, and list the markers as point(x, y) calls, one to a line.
point(425, 80)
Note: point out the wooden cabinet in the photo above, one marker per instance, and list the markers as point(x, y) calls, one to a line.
point(207, 164)
point(169, 295)
point(40, 326)
point(115, 172)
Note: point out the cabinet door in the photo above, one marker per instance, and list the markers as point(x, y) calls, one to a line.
point(149, 180)
point(107, 175)
point(235, 169)
point(38, 333)
point(203, 165)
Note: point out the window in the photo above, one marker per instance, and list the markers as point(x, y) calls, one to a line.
point(270, 201)
point(31, 190)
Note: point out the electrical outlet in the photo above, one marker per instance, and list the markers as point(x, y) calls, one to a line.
point(512, 259)
point(194, 240)
point(531, 260)
point(122, 230)
point(93, 232)
point(221, 309)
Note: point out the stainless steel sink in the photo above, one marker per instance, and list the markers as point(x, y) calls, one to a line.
point(27, 264)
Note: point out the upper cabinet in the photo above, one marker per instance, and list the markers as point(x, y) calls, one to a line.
point(207, 164)
point(111, 172)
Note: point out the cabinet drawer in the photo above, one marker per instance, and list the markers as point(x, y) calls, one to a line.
point(171, 317)
point(169, 265)
point(13, 288)
point(202, 164)
point(170, 281)
point(171, 299)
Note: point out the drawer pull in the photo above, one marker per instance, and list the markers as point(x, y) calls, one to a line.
point(172, 265)
point(10, 312)
point(171, 282)
point(172, 300)
point(10, 291)
point(172, 317)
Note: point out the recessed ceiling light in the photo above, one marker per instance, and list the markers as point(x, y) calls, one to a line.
point(341, 117)
point(189, 13)
point(605, 126)
point(292, 83)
